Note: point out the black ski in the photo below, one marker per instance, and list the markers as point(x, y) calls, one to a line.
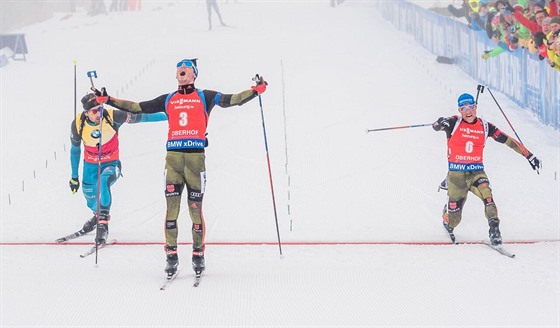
point(500, 249)
point(76, 234)
point(92, 249)
point(168, 280)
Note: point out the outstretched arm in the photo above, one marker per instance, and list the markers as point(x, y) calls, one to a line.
point(152, 106)
point(227, 100)
point(501, 137)
point(126, 105)
point(131, 118)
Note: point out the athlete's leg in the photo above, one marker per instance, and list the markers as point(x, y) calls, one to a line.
point(195, 174)
point(174, 184)
point(481, 188)
point(457, 195)
point(109, 175)
point(89, 185)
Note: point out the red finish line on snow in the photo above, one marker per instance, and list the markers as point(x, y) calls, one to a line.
point(289, 243)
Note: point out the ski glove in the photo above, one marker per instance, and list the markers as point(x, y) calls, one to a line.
point(441, 123)
point(100, 96)
point(261, 84)
point(74, 184)
point(534, 162)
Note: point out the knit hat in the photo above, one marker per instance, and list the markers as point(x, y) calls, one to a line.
point(189, 63)
point(539, 4)
point(89, 101)
point(555, 19)
point(465, 99)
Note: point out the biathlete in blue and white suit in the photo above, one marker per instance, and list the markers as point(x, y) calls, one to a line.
point(86, 128)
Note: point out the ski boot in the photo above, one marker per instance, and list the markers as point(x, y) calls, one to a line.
point(172, 261)
point(446, 226)
point(102, 229)
point(494, 232)
point(198, 261)
point(90, 224)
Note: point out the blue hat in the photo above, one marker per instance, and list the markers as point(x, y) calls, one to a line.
point(465, 99)
point(483, 2)
point(189, 63)
point(539, 3)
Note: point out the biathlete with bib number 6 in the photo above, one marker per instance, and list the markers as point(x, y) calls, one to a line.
point(466, 138)
point(188, 110)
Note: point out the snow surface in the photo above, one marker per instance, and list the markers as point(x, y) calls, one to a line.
point(359, 214)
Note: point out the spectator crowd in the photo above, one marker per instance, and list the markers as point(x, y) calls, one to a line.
point(530, 24)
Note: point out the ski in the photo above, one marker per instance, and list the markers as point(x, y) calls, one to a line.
point(500, 249)
point(168, 281)
point(197, 277)
point(92, 250)
point(76, 234)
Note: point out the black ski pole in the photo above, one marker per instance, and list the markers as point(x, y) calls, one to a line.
point(505, 116)
point(75, 97)
point(97, 134)
point(257, 80)
point(479, 90)
point(511, 126)
point(399, 127)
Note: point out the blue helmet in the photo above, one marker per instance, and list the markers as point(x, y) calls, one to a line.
point(465, 99)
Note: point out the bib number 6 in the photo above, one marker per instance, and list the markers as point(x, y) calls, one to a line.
point(469, 147)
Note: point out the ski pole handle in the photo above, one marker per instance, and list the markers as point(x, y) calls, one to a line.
point(479, 90)
point(91, 75)
point(399, 127)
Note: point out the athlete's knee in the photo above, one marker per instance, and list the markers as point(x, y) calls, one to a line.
point(481, 183)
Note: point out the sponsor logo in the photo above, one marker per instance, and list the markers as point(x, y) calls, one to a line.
point(469, 131)
point(184, 133)
point(468, 136)
point(468, 158)
point(188, 143)
point(170, 188)
point(184, 101)
point(466, 167)
point(194, 194)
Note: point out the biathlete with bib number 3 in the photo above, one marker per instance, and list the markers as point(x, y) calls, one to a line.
point(188, 110)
